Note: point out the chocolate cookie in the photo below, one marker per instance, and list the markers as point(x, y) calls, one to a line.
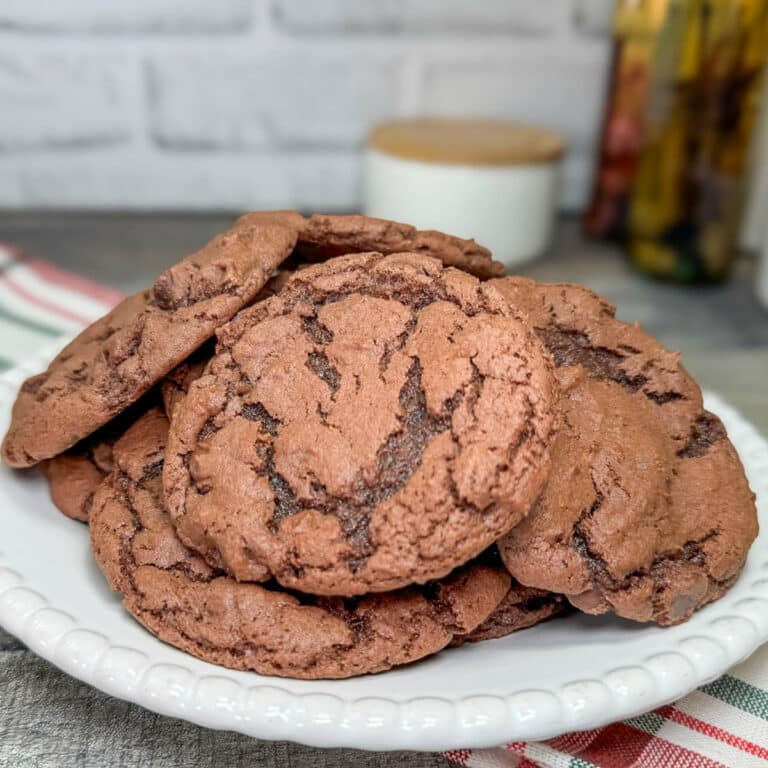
point(646, 512)
point(379, 422)
point(521, 608)
point(324, 236)
point(118, 358)
point(174, 386)
point(178, 597)
point(74, 476)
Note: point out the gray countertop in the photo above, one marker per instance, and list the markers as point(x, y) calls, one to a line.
point(48, 719)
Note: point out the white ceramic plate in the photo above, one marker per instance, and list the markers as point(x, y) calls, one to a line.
point(574, 673)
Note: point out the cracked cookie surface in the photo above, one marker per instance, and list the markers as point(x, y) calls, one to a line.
point(174, 387)
point(175, 594)
point(324, 236)
point(379, 422)
point(647, 512)
point(121, 356)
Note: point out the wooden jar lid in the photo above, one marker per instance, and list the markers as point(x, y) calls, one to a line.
point(466, 142)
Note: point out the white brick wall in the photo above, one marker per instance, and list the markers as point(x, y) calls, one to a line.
point(126, 16)
point(61, 99)
point(239, 101)
point(251, 103)
point(429, 17)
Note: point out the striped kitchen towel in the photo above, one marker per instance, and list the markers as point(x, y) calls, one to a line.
point(724, 723)
point(39, 303)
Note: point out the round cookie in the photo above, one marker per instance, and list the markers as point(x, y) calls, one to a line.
point(324, 236)
point(118, 358)
point(379, 422)
point(646, 512)
point(178, 597)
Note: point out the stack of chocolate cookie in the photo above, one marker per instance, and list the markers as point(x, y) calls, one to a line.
point(387, 448)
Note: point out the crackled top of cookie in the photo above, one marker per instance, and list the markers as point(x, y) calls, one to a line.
point(580, 328)
point(180, 598)
point(174, 387)
point(379, 422)
point(646, 512)
point(323, 236)
point(118, 358)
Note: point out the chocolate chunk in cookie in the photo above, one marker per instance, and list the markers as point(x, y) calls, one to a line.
point(324, 236)
point(646, 512)
point(122, 355)
point(180, 598)
point(378, 423)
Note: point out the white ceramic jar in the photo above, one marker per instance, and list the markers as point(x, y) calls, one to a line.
point(494, 181)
